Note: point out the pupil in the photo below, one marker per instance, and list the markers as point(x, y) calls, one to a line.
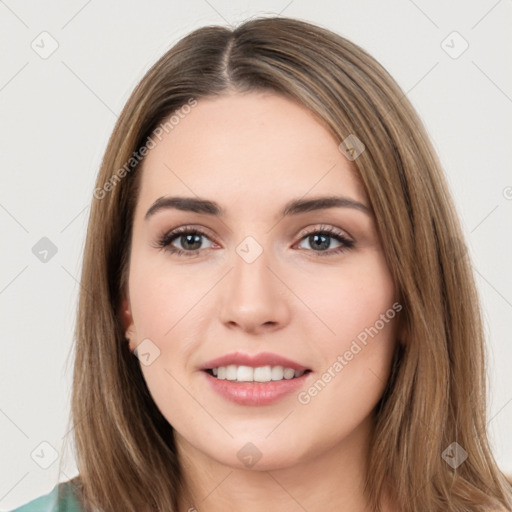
point(316, 237)
point(191, 237)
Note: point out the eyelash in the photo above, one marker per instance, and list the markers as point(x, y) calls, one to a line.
point(165, 241)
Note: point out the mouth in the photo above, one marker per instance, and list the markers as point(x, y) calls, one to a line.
point(255, 386)
point(262, 367)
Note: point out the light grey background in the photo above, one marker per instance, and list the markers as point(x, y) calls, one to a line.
point(57, 113)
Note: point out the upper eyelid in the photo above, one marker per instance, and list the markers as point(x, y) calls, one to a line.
point(330, 229)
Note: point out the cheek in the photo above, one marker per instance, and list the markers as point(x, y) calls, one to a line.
point(160, 296)
point(162, 301)
point(348, 300)
point(360, 310)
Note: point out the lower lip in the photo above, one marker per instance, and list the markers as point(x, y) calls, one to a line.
point(255, 393)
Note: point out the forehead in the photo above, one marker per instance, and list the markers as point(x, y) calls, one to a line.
point(258, 145)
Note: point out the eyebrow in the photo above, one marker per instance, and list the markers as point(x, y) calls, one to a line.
point(293, 207)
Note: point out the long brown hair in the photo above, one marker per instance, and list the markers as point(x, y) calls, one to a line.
point(436, 395)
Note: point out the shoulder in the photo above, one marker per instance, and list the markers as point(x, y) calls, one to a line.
point(60, 499)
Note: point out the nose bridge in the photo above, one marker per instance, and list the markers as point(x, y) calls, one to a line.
point(253, 297)
point(251, 277)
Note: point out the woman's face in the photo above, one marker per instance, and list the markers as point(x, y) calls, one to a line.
point(255, 281)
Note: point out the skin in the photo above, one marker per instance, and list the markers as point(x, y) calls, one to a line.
point(252, 153)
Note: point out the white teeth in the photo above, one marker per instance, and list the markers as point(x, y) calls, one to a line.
point(277, 373)
point(231, 372)
point(243, 373)
point(263, 374)
point(289, 373)
point(259, 374)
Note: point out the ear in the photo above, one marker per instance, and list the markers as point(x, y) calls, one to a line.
point(127, 322)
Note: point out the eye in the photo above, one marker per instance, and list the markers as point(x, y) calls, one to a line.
point(318, 238)
point(189, 238)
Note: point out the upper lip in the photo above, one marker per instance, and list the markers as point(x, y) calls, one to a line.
point(253, 360)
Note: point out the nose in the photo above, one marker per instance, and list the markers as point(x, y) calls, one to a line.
point(254, 298)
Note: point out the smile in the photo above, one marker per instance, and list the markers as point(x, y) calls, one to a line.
point(252, 392)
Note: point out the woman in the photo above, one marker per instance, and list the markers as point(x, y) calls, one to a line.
point(276, 309)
